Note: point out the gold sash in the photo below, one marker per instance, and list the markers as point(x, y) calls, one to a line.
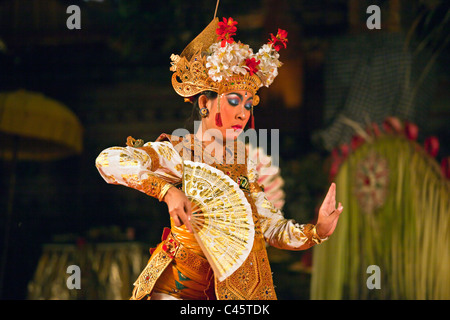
point(193, 270)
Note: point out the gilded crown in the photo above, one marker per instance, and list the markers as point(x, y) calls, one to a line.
point(191, 77)
point(214, 61)
point(238, 82)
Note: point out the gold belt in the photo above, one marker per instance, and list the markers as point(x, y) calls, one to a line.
point(168, 250)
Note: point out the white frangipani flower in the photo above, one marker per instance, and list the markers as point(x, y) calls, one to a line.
point(224, 62)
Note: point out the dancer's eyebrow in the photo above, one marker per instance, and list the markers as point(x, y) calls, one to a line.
point(235, 93)
point(240, 96)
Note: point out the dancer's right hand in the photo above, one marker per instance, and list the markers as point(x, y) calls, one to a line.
point(179, 207)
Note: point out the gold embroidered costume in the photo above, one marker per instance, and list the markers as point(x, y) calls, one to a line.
point(178, 266)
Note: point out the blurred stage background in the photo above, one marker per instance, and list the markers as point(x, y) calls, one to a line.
point(81, 91)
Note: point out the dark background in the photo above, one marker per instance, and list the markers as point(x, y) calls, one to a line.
point(114, 75)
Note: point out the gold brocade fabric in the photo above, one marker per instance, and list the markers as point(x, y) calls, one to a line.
point(132, 167)
point(176, 270)
point(187, 278)
point(253, 280)
point(151, 186)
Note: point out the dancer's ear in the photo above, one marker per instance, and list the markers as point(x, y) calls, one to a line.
point(202, 101)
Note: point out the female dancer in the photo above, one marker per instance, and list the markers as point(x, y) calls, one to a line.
point(221, 78)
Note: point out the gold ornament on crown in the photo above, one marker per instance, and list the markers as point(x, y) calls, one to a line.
point(213, 61)
point(191, 77)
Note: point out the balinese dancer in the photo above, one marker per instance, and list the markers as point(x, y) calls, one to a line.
point(220, 77)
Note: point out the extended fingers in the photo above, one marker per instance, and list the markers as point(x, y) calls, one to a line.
point(336, 212)
point(174, 216)
point(329, 203)
point(188, 214)
point(333, 194)
point(330, 198)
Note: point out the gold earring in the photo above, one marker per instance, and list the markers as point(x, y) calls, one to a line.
point(204, 112)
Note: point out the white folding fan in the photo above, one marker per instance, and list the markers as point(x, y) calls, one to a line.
point(221, 217)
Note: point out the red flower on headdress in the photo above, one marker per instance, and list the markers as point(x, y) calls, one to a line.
point(252, 65)
point(226, 30)
point(278, 40)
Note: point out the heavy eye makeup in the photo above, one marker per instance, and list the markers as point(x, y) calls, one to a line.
point(235, 99)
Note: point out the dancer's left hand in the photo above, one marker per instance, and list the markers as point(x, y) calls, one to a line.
point(328, 214)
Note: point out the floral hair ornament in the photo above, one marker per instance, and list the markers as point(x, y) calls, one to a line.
point(214, 61)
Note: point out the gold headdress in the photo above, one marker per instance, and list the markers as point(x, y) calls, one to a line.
point(214, 61)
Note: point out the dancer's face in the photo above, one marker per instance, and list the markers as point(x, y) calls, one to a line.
point(235, 111)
